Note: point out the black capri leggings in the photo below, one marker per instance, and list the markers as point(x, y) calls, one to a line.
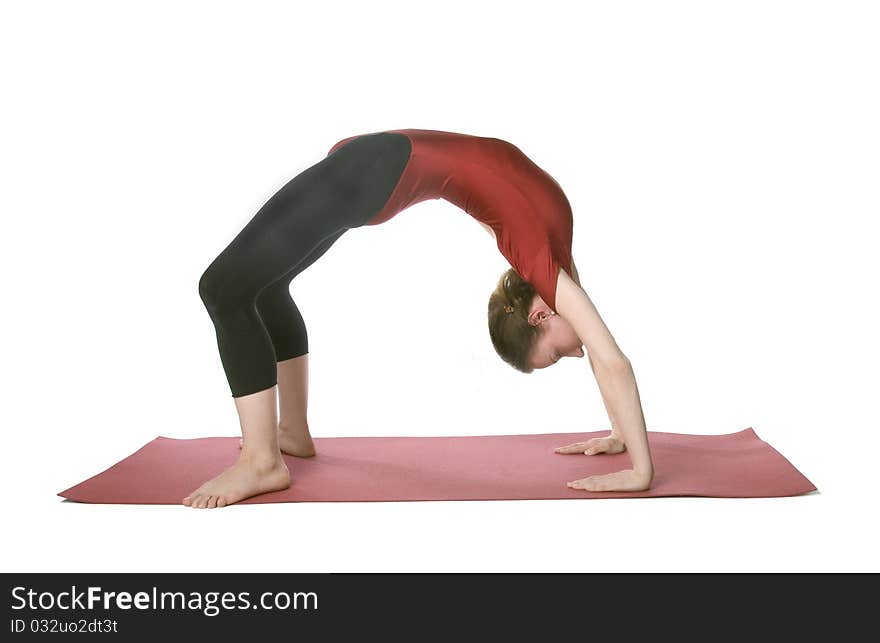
point(246, 288)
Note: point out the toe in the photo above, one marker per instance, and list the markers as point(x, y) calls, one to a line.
point(221, 501)
point(212, 502)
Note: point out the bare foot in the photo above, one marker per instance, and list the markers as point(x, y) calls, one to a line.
point(294, 442)
point(242, 480)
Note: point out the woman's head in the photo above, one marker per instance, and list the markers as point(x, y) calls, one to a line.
point(525, 331)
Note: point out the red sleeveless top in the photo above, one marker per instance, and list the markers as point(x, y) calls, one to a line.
point(494, 182)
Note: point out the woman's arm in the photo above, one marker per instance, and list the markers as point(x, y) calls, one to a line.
point(617, 384)
point(574, 273)
point(488, 228)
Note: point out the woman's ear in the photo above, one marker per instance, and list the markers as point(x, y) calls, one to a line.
point(540, 311)
point(534, 318)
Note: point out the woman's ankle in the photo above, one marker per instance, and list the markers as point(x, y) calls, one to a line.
point(260, 460)
point(294, 428)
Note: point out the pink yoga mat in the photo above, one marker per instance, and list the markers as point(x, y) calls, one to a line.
point(485, 467)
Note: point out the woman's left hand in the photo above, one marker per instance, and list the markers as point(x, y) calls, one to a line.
point(626, 480)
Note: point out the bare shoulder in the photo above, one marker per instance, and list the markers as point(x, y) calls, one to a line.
point(487, 227)
point(575, 306)
point(574, 273)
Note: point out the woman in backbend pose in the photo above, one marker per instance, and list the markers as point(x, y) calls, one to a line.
point(538, 312)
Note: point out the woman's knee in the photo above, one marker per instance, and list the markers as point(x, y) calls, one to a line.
point(221, 291)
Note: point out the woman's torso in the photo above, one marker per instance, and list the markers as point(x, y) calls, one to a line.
point(496, 183)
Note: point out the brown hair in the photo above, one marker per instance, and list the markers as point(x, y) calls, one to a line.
point(512, 335)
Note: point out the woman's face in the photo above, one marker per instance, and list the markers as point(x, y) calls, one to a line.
point(557, 338)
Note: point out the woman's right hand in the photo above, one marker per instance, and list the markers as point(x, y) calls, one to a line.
point(610, 445)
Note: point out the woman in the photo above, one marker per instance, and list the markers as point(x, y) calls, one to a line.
point(537, 314)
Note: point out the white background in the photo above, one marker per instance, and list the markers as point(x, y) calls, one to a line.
point(721, 159)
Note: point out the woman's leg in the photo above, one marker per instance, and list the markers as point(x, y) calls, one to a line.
point(344, 190)
point(284, 231)
point(294, 437)
point(287, 329)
